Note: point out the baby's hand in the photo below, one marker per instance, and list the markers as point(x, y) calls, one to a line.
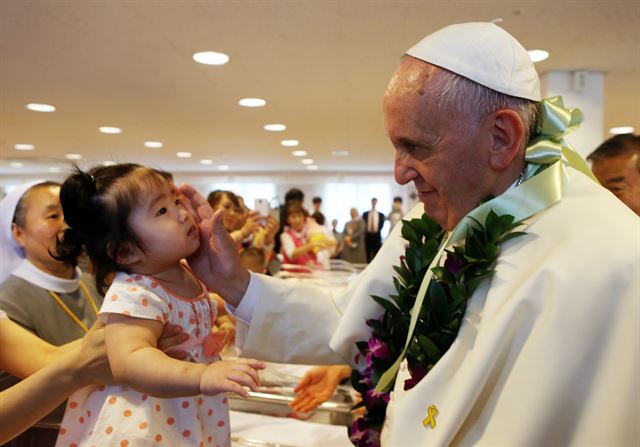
point(231, 375)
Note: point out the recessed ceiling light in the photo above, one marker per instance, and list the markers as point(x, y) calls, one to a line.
point(73, 156)
point(54, 169)
point(538, 55)
point(211, 58)
point(108, 163)
point(621, 130)
point(35, 107)
point(299, 153)
point(16, 164)
point(312, 167)
point(24, 147)
point(153, 144)
point(340, 153)
point(109, 129)
point(275, 127)
point(223, 167)
point(206, 161)
point(307, 161)
point(183, 154)
point(252, 102)
point(290, 143)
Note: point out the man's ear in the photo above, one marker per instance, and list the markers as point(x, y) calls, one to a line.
point(18, 234)
point(126, 254)
point(508, 134)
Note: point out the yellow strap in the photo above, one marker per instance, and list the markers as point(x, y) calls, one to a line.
point(90, 298)
point(71, 314)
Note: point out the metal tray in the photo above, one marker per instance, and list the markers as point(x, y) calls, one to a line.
point(275, 400)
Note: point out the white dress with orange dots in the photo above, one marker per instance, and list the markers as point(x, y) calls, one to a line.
point(115, 415)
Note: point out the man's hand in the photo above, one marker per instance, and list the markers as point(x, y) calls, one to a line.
point(216, 262)
point(317, 386)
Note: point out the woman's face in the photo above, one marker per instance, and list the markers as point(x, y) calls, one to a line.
point(229, 216)
point(43, 223)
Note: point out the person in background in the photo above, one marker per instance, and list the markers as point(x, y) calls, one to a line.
point(318, 232)
point(396, 213)
point(374, 220)
point(337, 252)
point(292, 195)
point(317, 214)
point(254, 260)
point(233, 212)
point(131, 222)
point(616, 165)
point(295, 246)
point(353, 239)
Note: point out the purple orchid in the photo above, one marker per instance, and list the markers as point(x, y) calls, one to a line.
point(453, 263)
point(362, 435)
point(371, 397)
point(378, 348)
point(417, 373)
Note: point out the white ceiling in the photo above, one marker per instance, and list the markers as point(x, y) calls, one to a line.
point(322, 66)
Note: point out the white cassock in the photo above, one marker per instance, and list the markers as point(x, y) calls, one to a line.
point(548, 352)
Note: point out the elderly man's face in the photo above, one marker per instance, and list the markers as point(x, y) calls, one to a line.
point(442, 152)
point(620, 176)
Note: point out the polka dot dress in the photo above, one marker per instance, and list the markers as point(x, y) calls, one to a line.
point(118, 416)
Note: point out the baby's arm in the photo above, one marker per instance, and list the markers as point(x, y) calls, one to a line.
point(136, 362)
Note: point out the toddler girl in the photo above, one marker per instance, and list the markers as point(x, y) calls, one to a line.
point(130, 221)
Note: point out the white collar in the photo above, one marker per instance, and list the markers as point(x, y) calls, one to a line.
point(29, 272)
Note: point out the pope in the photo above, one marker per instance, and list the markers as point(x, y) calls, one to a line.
point(549, 347)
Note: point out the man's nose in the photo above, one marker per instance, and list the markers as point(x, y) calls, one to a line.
point(403, 169)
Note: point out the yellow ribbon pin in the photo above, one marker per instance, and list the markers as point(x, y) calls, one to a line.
point(430, 420)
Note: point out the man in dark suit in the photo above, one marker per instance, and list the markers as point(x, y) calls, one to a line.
point(373, 220)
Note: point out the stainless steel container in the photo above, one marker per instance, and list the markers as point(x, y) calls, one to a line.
point(275, 400)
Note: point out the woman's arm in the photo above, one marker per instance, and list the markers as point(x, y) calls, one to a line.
point(15, 342)
point(78, 364)
point(24, 404)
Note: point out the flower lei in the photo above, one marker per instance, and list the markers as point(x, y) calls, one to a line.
point(465, 267)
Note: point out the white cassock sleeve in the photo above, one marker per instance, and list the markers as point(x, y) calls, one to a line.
point(293, 322)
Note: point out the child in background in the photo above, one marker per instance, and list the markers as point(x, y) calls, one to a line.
point(294, 243)
point(321, 235)
point(131, 222)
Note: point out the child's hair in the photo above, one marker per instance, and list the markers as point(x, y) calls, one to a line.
point(294, 207)
point(96, 206)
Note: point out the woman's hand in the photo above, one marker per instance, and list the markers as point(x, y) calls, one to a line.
point(271, 227)
point(231, 376)
point(91, 364)
point(171, 336)
point(317, 386)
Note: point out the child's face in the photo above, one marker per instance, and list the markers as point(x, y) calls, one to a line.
point(296, 221)
point(166, 230)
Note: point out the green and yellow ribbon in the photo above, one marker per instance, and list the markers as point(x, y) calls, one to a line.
point(540, 190)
